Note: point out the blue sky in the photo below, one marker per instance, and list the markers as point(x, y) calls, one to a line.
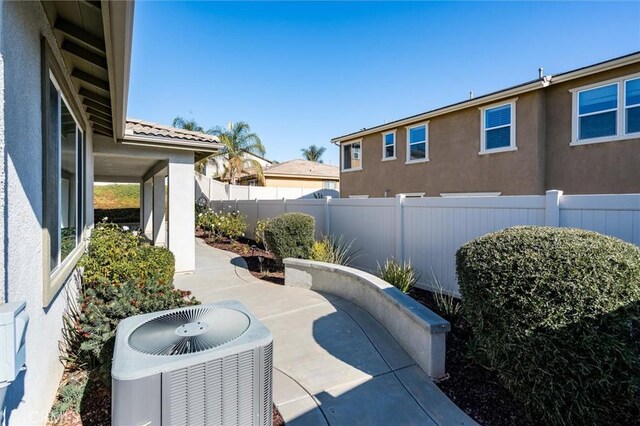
point(301, 73)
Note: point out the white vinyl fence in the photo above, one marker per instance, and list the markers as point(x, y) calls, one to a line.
point(215, 190)
point(429, 231)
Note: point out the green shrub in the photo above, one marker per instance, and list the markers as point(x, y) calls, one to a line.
point(556, 313)
point(290, 235)
point(127, 215)
point(259, 231)
point(402, 276)
point(333, 250)
point(117, 256)
point(231, 225)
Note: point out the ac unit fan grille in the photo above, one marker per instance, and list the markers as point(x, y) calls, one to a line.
point(189, 331)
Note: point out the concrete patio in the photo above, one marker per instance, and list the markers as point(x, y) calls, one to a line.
point(334, 363)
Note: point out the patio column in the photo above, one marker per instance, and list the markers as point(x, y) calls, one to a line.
point(146, 205)
point(181, 211)
point(159, 230)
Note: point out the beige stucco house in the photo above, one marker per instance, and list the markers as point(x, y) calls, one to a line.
point(297, 174)
point(578, 132)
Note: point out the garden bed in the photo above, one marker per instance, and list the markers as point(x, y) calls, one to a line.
point(472, 387)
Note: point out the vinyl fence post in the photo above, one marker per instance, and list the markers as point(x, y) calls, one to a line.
point(327, 218)
point(284, 204)
point(552, 208)
point(399, 231)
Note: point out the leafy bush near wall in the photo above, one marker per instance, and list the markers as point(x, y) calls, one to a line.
point(117, 256)
point(232, 225)
point(122, 277)
point(401, 275)
point(556, 313)
point(290, 235)
point(333, 250)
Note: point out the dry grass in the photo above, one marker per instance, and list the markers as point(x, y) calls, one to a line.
point(116, 196)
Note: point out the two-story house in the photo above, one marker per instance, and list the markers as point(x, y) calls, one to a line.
point(578, 132)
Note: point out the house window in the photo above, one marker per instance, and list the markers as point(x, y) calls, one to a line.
point(351, 156)
point(632, 106)
point(498, 128)
point(418, 143)
point(597, 112)
point(329, 184)
point(389, 146)
point(64, 168)
point(606, 111)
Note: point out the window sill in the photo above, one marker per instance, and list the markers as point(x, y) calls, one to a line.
point(605, 139)
point(424, 160)
point(389, 158)
point(498, 150)
point(350, 170)
point(59, 277)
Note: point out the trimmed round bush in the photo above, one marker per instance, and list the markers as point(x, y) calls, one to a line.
point(556, 313)
point(290, 235)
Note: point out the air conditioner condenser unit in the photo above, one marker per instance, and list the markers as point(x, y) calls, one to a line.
point(201, 365)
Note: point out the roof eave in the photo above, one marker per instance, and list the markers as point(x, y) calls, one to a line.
point(170, 143)
point(118, 31)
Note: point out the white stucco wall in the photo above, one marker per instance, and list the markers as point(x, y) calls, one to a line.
point(22, 24)
point(181, 212)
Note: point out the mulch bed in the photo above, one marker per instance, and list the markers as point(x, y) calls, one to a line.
point(470, 386)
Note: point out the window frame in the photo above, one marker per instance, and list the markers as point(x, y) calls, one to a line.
point(483, 128)
point(360, 152)
point(53, 279)
point(621, 107)
point(409, 143)
point(384, 146)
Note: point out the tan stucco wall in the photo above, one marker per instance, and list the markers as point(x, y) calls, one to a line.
point(455, 163)
point(544, 159)
point(609, 167)
point(280, 182)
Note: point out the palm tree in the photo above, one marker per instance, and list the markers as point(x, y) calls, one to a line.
point(193, 126)
point(237, 140)
point(313, 153)
point(190, 124)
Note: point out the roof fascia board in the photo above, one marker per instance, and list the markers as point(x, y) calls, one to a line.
point(170, 143)
point(118, 30)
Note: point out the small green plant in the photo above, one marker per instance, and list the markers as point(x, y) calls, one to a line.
point(290, 235)
point(447, 306)
point(401, 275)
point(333, 250)
point(70, 396)
point(259, 231)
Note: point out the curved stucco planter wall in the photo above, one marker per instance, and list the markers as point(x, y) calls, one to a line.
point(417, 329)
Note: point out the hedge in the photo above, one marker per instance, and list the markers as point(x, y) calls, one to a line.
point(290, 235)
point(556, 313)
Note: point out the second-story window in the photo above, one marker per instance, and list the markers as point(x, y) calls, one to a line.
point(498, 128)
point(632, 106)
point(418, 143)
point(351, 154)
point(389, 145)
point(597, 112)
point(606, 111)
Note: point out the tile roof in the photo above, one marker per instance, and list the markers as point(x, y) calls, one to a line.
point(146, 128)
point(303, 168)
